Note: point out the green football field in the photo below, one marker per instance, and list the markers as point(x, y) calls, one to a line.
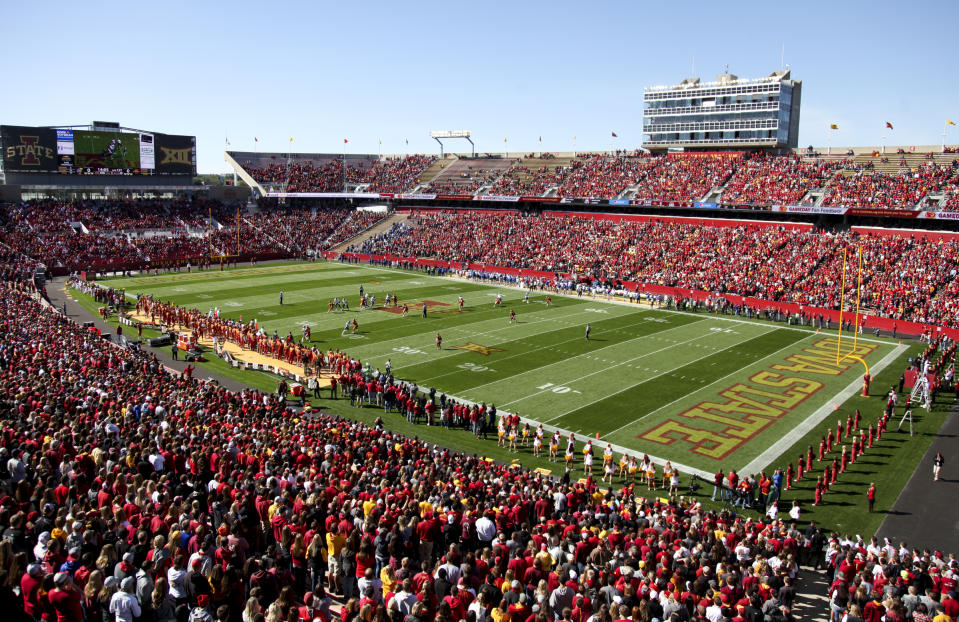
point(702, 390)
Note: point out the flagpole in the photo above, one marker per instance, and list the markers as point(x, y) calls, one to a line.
point(945, 126)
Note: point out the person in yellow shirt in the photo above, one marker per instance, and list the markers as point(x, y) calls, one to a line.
point(368, 506)
point(334, 544)
point(941, 616)
point(425, 508)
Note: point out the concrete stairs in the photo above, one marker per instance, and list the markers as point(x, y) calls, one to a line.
point(380, 227)
point(434, 171)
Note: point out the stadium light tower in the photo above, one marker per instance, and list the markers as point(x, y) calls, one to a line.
point(452, 134)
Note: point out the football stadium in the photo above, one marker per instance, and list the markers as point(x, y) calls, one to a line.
point(705, 376)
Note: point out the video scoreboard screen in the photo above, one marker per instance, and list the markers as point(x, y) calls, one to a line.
point(87, 152)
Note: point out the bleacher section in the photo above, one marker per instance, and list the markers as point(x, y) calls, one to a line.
point(534, 175)
point(865, 180)
point(467, 175)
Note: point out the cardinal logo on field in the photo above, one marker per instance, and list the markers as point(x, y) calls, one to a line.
point(475, 347)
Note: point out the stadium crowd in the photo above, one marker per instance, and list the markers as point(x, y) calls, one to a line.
point(908, 278)
point(131, 493)
point(776, 180)
point(690, 177)
point(387, 175)
point(745, 179)
point(178, 231)
point(867, 188)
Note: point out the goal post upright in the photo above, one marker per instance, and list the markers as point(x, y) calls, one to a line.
point(842, 305)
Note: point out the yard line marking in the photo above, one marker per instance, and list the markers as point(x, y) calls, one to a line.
point(527, 352)
point(612, 345)
point(649, 307)
point(427, 335)
point(797, 432)
point(718, 380)
point(733, 345)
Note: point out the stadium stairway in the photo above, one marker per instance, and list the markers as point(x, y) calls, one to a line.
point(380, 227)
point(432, 172)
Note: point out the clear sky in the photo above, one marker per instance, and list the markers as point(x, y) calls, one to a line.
point(323, 71)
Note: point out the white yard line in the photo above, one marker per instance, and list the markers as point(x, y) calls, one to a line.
point(798, 431)
point(624, 303)
point(717, 381)
point(635, 384)
point(428, 334)
point(553, 345)
point(612, 345)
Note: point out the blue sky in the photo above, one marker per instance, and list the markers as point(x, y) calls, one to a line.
point(324, 71)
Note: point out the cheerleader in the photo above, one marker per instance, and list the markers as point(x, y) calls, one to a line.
point(608, 471)
point(667, 473)
point(631, 469)
point(623, 463)
point(673, 482)
point(570, 448)
point(650, 470)
point(554, 446)
point(608, 453)
point(512, 439)
point(526, 432)
point(501, 432)
point(537, 444)
point(587, 463)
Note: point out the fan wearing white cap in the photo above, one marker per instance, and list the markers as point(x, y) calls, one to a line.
point(124, 604)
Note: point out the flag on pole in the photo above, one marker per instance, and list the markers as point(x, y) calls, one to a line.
point(889, 125)
point(833, 126)
point(291, 139)
point(540, 139)
point(227, 141)
point(379, 142)
point(255, 139)
point(614, 135)
point(950, 122)
point(345, 141)
point(407, 142)
point(504, 140)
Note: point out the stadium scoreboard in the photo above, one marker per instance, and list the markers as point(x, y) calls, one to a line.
point(96, 151)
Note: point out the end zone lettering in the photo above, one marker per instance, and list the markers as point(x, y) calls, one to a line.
point(750, 408)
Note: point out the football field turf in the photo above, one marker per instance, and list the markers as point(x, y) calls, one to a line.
point(703, 390)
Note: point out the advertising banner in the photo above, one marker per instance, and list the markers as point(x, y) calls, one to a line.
point(147, 153)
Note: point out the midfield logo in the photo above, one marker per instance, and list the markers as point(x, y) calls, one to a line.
point(475, 347)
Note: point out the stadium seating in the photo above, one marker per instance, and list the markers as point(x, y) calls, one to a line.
point(326, 174)
point(125, 476)
point(602, 176)
point(687, 177)
point(532, 176)
point(467, 175)
point(904, 274)
point(101, 235)
point(776, 180)
point(871, 188)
